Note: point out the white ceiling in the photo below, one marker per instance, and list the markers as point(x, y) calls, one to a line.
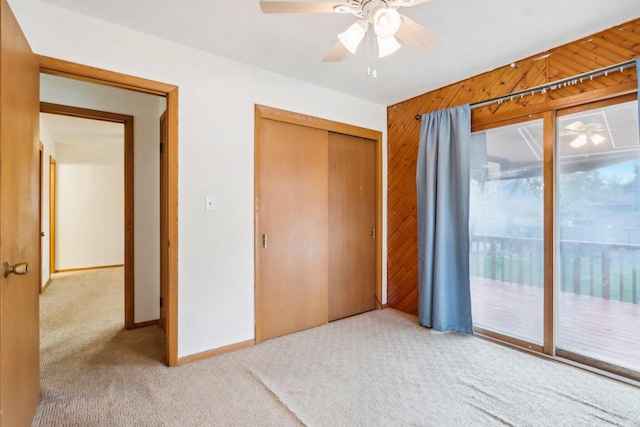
point(77, 131)
point(478, 36)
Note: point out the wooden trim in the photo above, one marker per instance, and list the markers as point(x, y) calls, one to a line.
point(549, 129)
point(129, 226)
point(164, 239)
point(172, 232)
point(98, 267)
point(316, 123)
point(71, 70)
point(379, 235)
point(507, 339)
point(599, 364)
point(40, 210)
point(262, 112)
point(506, 122)
point(257, 294)
point(129, 197)
point(75, 71)
point(215, 352)
point(52, 215)
point(83, 113)
point(46, 286)
point(597, 104)
point(145, 324)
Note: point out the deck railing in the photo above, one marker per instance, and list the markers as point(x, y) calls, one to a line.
point(605, 270)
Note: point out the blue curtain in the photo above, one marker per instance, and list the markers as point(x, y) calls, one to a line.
point(443, 180)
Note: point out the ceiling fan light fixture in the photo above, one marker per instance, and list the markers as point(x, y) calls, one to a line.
point(352, 37)
point(579, 141)
point(387, 46)
point(386, 22)
point(596, 138)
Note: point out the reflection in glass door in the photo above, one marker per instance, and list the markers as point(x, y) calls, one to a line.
point(598, 236)
point(506, 225)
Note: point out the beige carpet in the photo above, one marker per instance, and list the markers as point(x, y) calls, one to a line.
point(379, 368)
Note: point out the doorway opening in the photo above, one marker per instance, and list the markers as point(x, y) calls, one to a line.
point(169, 228)
point(93, 185)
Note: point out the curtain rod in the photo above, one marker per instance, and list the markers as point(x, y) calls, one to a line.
point(569, 81)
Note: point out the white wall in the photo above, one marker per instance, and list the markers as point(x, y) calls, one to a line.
point(89, 205)
point(216, 137)
point(48, 150)
point(146, 128)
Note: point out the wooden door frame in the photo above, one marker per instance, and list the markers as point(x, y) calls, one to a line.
point(263, 112)
point(52, 215)
point(85, 73)
point(40, 178)
point(162, 321)
point(129, 252)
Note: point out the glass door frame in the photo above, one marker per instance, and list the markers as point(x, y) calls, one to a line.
point(546, 289)
point(550, 247)
point(555, 246)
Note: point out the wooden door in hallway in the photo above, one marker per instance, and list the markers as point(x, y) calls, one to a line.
point(292, 229)
point(19, 234)
point(352, 222)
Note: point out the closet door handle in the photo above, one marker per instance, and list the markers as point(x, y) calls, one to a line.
point(265, 240)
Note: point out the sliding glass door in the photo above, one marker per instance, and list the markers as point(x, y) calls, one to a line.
point(598, 236)
point(506, 225)
point(559, 271)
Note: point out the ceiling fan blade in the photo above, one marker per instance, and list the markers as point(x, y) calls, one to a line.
point(297, 7)
point(417, 37)
point(337, 53)
point(576, 126)
point(407, 3)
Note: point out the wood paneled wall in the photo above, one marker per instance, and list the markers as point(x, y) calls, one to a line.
point(609, 47)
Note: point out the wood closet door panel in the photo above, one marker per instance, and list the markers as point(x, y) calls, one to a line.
point(292, 290)
point(352, 216)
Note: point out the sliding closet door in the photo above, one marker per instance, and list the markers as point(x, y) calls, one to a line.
point(292, 255)
point(352, 219)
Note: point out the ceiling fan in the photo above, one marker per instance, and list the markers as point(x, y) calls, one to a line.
point(584, 132)
point(381, 14)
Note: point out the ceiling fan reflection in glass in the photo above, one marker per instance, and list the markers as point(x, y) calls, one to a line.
point(584, 133)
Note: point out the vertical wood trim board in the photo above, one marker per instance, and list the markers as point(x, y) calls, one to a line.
point(164, 208)
point(618, 44)
point(549, 243)
point(40, 189)
point(52, 215)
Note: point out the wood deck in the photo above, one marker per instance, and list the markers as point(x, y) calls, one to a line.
point(602, 329)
